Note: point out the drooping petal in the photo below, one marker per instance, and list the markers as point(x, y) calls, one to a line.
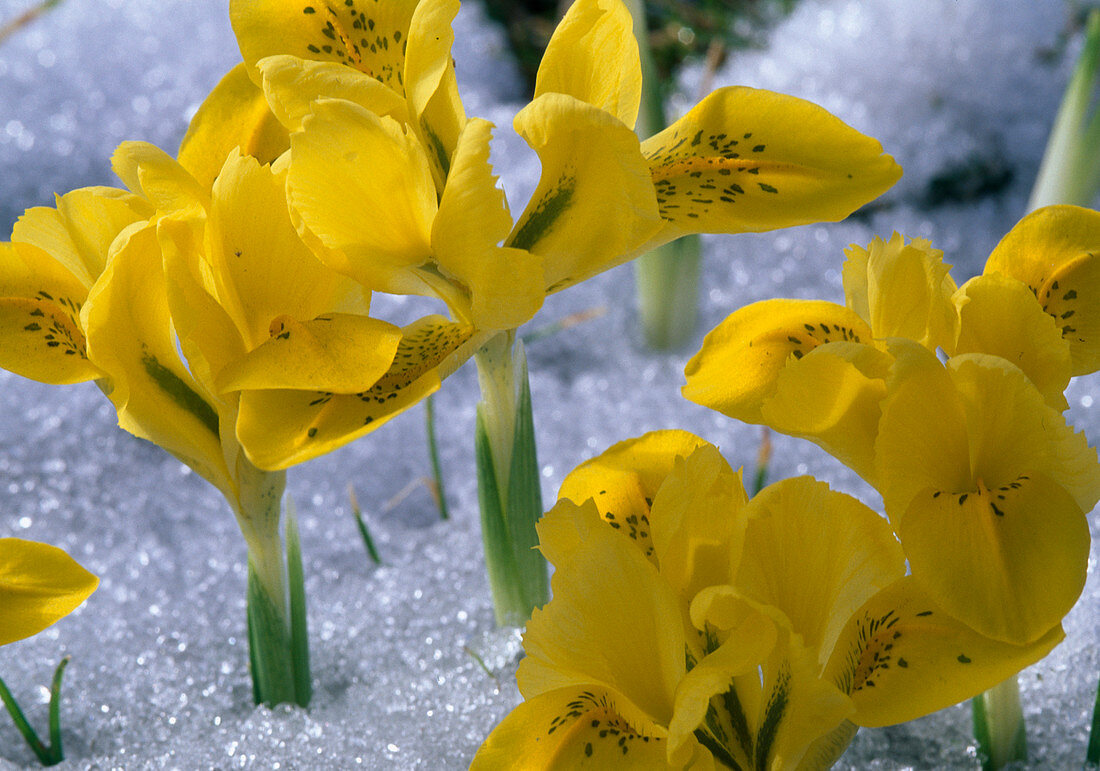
point(902, 290)
point(279, 428)
point(746, 160)
point(999, 316)
point(40, 318)
point(78, 232)
point(338, 352)
point(367, 37)
point(613, 623)
point(1056, 252)
point(697, 523)
point(234, 115)
point(39, 584)
point(624, 479)
point(594, 206)
point(262, 270)
point(291, 85)
point(130, 338)
point(364, 188)
point(506, 285)
point(817, 555)
point(832, 397)
point(593, 56)
point(1009, 561)
point(569, 728)
point(901, 657)
point(739, 364)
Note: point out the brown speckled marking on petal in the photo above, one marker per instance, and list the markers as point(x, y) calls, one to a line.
point(367, 35)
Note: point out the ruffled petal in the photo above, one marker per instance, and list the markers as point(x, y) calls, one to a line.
point(153, 173)
point(999, 316)
point(594, 206)
point(434, 104)
point(262, 271)
point(39, 584)
point(78, 232)
point(291, 85)
point(817, 555)
point(234, 115)
point(901, 657)
point(505, 285)
point(569, 728)
point(902, 290)
point(1056, 252)
point(746, 160)
point(279, 428)
point(364, 188)
point(698, 521)
point(593, 56)
point(832, 397)
point(739, 364)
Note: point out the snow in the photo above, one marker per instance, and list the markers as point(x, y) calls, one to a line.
point(409, 669)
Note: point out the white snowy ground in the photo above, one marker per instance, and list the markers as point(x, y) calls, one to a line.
point(158, 678)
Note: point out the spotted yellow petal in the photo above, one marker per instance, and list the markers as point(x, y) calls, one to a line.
point(234, 115)
point(292, 84)
point(593, 56)
point(817, 555)
point(746, 160)
point(594, 205)
point(1009, 561)
point(1056, 252)
point(279, 428)
point(739, 364)
point(153, 173)
point(625, 478)
point(998, 315)
point(368, 37)
point(697, 523)
point(340, 353)
point(902, 290)
point(612, 623)
point(77, 233)
point(130, 338)
point(262, 271)
point(832, 397)
point(364, 188)
point(505, 285)
point(901, 657)
point(40, 327)
point(572, 728)
point(39, 584)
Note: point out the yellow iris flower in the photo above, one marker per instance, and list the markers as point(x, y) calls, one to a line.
point(368, 98)
point(691, 627)
point(39, 585)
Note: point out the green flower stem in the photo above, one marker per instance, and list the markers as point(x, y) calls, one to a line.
point(1070, 170)
point(433, 454)
point(999, 725)
point(508, 482)
point(277, 634)
point(51, 754)
point(667, 277)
